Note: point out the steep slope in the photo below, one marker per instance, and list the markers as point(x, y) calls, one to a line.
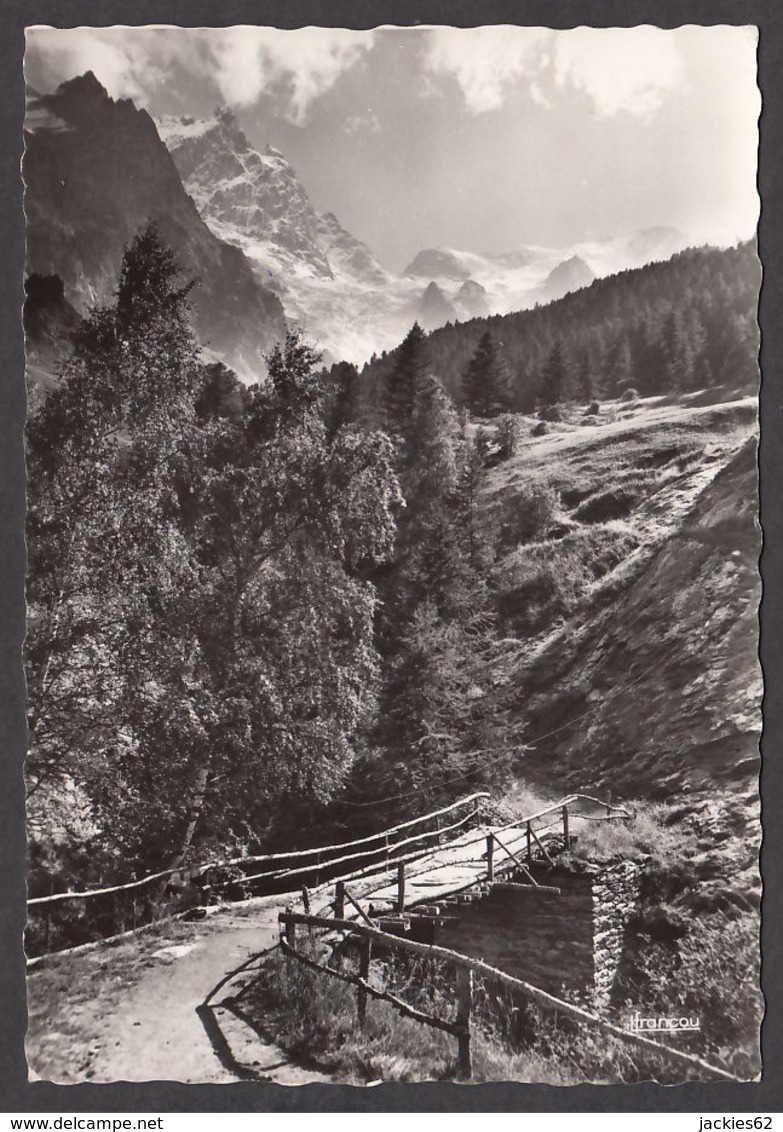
point(635, 602)
point(328, 281)
point(253, 196)
point(641, 679)
point(667, 675)
point(95, 171)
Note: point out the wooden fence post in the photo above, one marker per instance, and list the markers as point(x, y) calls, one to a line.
point(464, 1011)
point(490, 857)
point(365, 956)
point(401, 887)
point(48, 917)
point(339, 900)
point(529, 844)
point(566, 834)
point(306, 899)
point(290, 933)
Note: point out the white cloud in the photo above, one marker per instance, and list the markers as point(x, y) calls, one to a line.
point(245, 62)
point(620, 69)
point(304, 63)
point(486, 62)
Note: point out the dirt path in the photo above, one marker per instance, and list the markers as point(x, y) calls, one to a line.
point(157, 1005)
point(134, 1011)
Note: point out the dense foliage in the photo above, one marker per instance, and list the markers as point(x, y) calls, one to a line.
point(201, 630)
point(687, 323)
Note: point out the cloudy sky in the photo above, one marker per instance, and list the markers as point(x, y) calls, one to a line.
point(482, 139)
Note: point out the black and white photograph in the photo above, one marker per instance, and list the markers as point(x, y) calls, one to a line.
point(393, 688)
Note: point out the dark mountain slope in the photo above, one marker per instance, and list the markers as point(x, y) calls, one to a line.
point(96, 171)
point(689, 322)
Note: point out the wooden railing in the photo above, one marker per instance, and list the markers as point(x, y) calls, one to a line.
point(130, 903)
point(367, 935)
point(133, 904)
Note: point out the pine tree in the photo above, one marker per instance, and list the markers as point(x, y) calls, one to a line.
point(487, 384)
point(553, 375)
point(586, 377)
point(402, 382)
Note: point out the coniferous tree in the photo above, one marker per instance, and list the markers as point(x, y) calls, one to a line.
point(487, 383)
point(402, 382)
point(553, 376)
point(585, 376)
point(343, 401)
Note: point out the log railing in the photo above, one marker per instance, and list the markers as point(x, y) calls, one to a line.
point(465, 969)
point(133, 903)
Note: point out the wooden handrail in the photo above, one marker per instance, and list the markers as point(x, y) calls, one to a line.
point(285, 873)
point(201, 869)
point(40, 901)
point(433, 951)
point(294, 855)
point(558, 806)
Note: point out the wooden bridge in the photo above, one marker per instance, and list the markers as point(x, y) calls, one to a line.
point(369, 898)
point(442, 851)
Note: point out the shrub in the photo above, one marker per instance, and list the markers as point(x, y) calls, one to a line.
point(706, 966)
point(593, 409)
point(629, 395)
point(541, 429)
point(507, 437)
point(526, 517)
point(550, 413)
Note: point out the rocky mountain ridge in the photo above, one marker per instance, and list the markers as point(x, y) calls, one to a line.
point(95, 172)
point(241, 221)
point(331, 283)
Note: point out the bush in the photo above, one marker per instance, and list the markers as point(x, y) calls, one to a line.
point(629, 395)
point(507, 437)
point(550, 413)
point(707, 967)
point(541, 429)
point(526, 517)
point(593, 409)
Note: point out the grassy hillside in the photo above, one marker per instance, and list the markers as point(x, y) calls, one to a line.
point(641, 598)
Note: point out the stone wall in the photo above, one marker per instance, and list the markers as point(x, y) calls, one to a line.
point(540, 937)
point(615, 898)
point(571, 942)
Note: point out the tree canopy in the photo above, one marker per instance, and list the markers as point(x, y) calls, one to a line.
point(201, 632)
